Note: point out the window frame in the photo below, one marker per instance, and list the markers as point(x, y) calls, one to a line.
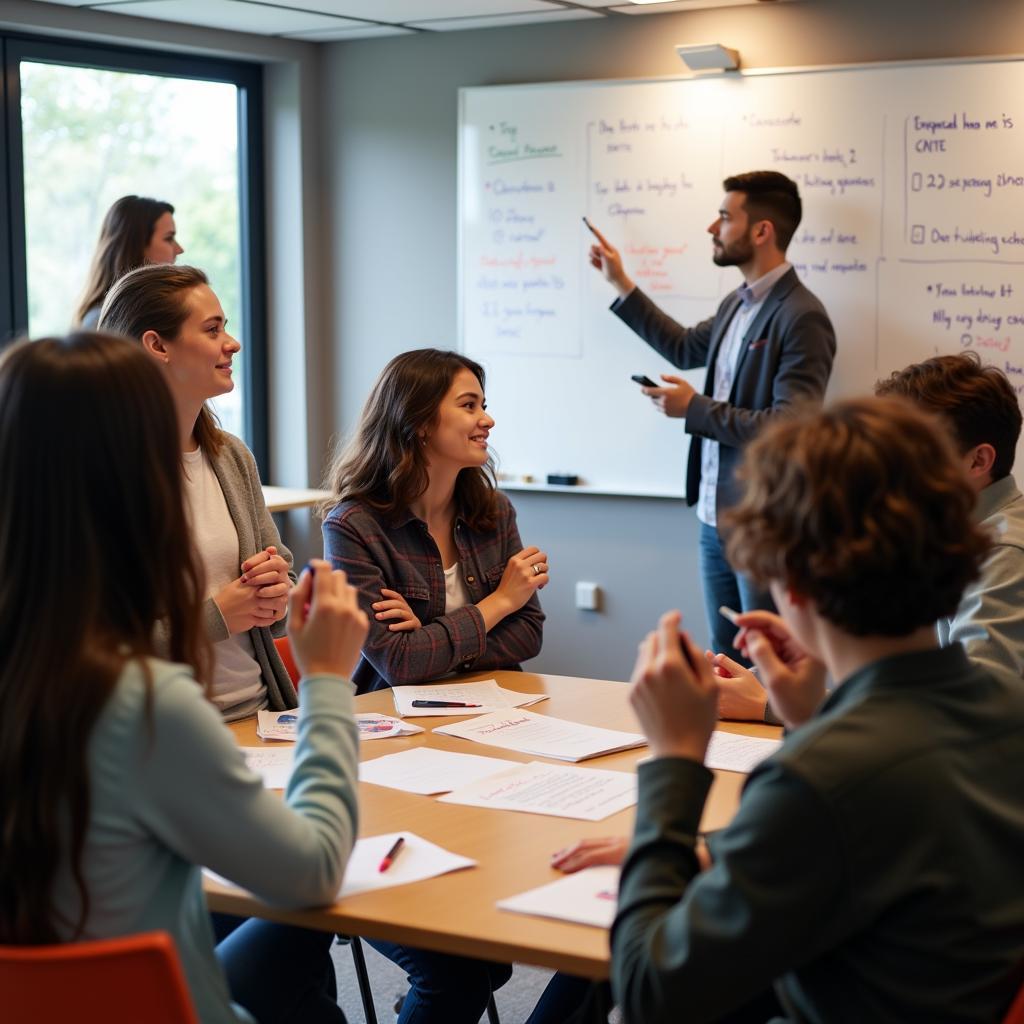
point(248, 79)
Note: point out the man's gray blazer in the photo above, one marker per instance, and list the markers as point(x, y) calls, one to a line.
point(786, 358)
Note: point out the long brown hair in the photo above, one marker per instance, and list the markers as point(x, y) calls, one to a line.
point(155, 298)
point(96, 551)
point(384, 465)
point(126, 230)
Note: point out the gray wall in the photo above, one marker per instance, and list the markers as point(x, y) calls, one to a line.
point(390, 116)
point(361, 154)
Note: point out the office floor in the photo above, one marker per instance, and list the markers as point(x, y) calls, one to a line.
point(515, 1000)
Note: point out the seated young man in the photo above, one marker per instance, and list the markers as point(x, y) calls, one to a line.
point(872, 872)
point(980, 406)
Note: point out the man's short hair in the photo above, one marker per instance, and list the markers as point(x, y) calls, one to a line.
point(978, 402)
point(865, 510)
point(770, 196)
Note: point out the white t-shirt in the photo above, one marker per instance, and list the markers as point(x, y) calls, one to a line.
point(238, 687)
point(455, 594)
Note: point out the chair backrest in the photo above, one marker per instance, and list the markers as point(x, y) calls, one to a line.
point(1015, 1015)
point(109, 981)
point(284, 651)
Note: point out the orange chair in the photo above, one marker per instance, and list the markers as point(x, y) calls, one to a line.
point(1015, 1015)
point(109, 981)
point(284, 652)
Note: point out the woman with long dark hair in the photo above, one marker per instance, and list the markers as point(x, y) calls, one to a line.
point(174, 314)
point(135, 231)
point(121, 779)
point(425, 535)
point(432, 546)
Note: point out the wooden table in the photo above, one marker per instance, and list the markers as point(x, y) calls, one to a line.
point(283, 499)
point(456, 913)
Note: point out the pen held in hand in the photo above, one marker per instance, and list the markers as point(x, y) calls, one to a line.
point(443, 704)
point(727, 613)
point(389, 857)
point(308, 567)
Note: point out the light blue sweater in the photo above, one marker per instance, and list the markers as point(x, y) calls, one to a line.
point(171, 792)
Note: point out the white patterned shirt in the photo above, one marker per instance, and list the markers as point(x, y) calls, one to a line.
point(753, 296)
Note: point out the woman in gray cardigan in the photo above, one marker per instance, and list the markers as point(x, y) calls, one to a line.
point(178, 319)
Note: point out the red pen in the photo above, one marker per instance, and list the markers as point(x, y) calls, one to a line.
point(389, 857)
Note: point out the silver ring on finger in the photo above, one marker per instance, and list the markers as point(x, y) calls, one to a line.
point(537, 570)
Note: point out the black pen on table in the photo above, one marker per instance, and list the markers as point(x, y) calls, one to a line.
point(443, 704)
point(389, 857)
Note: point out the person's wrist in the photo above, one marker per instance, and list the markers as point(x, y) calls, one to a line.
point(322, 667)
point(623, 285)
point(502, 603)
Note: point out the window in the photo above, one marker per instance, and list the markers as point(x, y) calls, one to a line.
point(90, 125)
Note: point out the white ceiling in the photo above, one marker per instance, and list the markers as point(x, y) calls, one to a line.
point(326, 20)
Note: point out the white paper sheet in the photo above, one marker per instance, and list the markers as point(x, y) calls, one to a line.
point(586, 897)
point(487, 693)
point(542, 735)
point(278, 725)
point(418, 859)
point(735, 753)
point(272, 764)
point(565, 791)
point(428, 771)
point(379, 727)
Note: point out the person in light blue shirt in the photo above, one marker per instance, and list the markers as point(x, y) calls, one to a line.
point(127, 780)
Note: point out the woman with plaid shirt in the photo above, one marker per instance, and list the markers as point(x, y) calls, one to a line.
point(432, 546)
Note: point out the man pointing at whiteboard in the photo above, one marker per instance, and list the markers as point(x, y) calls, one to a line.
point(769, 345)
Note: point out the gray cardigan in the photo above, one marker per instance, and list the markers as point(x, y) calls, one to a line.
point(239, 480)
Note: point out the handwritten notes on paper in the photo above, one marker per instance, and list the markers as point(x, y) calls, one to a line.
point(586, 897)
point(428, 771)
point(272, 764)
point(487, 693)
point(543, 736)
point(564, 791)
point(733, 752)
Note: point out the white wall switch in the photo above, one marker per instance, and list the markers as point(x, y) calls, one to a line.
point(588, 596)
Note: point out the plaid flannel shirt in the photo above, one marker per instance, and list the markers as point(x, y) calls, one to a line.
point(402, 556)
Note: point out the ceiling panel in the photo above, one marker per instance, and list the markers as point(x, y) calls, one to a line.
point(417, 10)
point(229, 14)
point(454, 24)
point(329, 35)
point(688, 5)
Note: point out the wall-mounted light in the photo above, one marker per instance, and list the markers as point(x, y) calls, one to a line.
point(708, 56)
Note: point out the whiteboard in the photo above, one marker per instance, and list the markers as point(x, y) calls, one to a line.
point(912, 179)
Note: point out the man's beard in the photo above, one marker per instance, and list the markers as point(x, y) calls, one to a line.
point(733, 255)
